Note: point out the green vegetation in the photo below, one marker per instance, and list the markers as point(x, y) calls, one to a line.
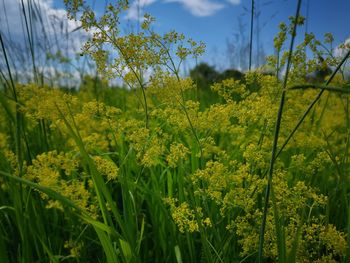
point(174, 169)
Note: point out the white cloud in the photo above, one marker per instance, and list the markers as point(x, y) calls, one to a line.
point(45, 18)
point(135, 10)
point(200, 8)
point(234, 2)
point(340, 51)
point(52, 32)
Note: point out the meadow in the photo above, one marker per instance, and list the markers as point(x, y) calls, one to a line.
point(252, 169)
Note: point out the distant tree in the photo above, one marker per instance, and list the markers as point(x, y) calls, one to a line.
point(231, 73)
point(204, 75)
point(323, 71)
point(320, 74)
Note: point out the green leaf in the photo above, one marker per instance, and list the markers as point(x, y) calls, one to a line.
point(178, 254)
point(126, 250)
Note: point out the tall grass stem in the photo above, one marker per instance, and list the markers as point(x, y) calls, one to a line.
point(251, 35)
point(312, 104)
point(276, 135)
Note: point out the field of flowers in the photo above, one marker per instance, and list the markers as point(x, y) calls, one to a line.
point(150, 174)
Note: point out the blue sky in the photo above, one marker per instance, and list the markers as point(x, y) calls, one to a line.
point(213, 21)
point(220, 21)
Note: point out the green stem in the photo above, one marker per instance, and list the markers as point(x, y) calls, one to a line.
point(312, 104)
point(18, 114)
point(251, 35)
point(175, 70)
point(275, 139)
point(126, 59)
point(30, 38)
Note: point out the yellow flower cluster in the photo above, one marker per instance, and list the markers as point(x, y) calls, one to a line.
point(167, 89)
point(212, 181)
point(74, 248)
point(95, 122)
point(149, 148)
point(322, 244)
point(185, 218)
point(58, 171)
point(97, 125)
point(43, 103)
point(230, 89)
point(106, 167)
point(291, 203)
point(178, 153)
point(134, 53)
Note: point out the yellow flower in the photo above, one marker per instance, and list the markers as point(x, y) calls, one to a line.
point(178, 152)
point(183, 216)
point(106, 167)
point(59, 173)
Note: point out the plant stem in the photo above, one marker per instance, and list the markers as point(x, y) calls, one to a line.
point(30, 37)
point(251, 35)
point(18, 114)
point(312, 104)
point(275, 139)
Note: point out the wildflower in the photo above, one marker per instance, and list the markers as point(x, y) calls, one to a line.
point(57, 171)
point(178, 152)
point(106, 167)
point(183, 216)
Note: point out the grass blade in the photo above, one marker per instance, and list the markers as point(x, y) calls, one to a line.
point(101, 229)
point(275, 139)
